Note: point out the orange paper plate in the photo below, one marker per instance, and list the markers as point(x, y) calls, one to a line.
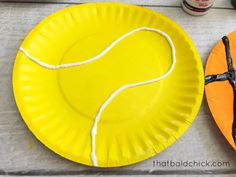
point(220, 94)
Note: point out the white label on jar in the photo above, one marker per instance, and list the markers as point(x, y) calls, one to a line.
point(203, 4)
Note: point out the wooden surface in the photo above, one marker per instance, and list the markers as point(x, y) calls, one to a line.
point(22, 154)
point(169, 3)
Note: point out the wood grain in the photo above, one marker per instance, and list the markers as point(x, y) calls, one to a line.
point(20, 151)
point(167, 3)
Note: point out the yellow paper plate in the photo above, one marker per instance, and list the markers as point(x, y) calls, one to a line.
point(59, 106)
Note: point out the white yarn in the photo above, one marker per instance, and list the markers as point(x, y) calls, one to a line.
point(116, 92)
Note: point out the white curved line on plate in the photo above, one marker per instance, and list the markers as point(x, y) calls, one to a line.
point(116, 92)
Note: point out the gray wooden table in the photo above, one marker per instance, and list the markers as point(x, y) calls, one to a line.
point(22, 154)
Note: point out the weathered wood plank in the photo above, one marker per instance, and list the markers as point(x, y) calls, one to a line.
point(213, 175)
point(218, 3)
point(19, 150)
point(228, 175)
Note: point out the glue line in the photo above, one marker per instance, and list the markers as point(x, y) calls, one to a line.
point(116, 92)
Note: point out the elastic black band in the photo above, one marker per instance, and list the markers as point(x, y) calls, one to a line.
point(228, 55)
point(216, 77)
